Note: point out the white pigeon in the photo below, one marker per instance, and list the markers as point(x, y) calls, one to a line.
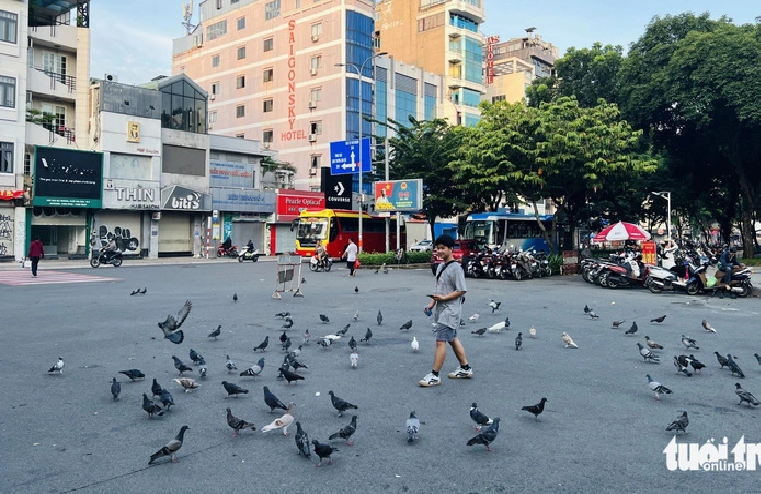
point(230, 365)
point(283, 422)
point(532, 332)
point(415, 344)
point(494, 305)
point(569, 341)
point(356, 315)
point(474, 317)
point(332, 337)
point(187, 384)
point(497, 327)
point(353, 358)
point(58, 367)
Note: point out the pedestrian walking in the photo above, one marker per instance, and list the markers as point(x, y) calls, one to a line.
point(447, 300)
point(351, 256)
point(36, 252)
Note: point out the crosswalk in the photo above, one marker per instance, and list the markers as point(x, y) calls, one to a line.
point(23, 277)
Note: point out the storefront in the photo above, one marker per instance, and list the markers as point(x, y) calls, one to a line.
point(289, 206)
point(241, 215)
point(128, 206)
point(9, 200)
point(181, 220)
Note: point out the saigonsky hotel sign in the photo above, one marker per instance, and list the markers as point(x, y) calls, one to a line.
point(490, 42)
point(292, 134)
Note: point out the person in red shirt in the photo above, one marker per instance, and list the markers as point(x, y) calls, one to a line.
point(36, 252)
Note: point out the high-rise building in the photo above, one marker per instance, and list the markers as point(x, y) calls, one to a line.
point(441, 37)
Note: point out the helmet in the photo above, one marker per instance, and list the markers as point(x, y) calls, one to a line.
point(733, 249)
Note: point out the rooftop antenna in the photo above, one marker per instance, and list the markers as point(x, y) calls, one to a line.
point(187, 15)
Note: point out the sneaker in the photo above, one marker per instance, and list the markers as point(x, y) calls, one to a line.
point(460, 373)
point(430, 380)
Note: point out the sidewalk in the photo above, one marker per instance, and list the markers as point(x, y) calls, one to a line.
point(132, 263)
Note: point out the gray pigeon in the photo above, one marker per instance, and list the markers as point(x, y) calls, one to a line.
point(368, 335)
point(172, 324)
point(171, 447)
point(519, 341)
point(745, 396)
point(302, 441)
point(133, 374)
point(263, 344)
point(272, 401)
point(156, 388)
point(166, 398)
point(487, 436)
point(406, 326)
point(230, 365)
point(413, 427)
point(254, 370)
point(353, 343)
point(180, 366)
point(379, 318)
point(679, 424)
point(633, 329)
point(689, 343)
point(341, 405)
point(323, 451)
point(233, 389)
point(151, 407)
point(479, 417)
point(646, 354)
point(657, 387)
point(237, 424)
point(116, 388)
point(324, 318)
point(733, 367)
point(346, 432)
point(216, 332)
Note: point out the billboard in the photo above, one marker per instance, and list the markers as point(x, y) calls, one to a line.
point(398, 195)
point(68, 178)
point(231, 174)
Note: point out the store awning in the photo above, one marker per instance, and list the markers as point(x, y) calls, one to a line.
point(11, 194)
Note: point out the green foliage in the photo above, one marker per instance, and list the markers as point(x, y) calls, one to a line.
point(555, 261)
point(376, 259)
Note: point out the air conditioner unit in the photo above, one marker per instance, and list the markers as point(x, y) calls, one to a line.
point(312, 105)
point(312, 137)
point(313, 71)
point(156, 215)
point(213, 97)
point(266, 145)
point(110, 78)
point(315, 38)
point(312, 172)
point(109, 185)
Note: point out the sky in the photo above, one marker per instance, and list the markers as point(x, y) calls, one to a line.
point(133, 39)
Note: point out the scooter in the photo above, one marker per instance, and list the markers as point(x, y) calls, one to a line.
point(317, 265)
point(114, 257)
point(249, 256)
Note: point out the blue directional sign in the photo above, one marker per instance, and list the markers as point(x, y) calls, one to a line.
point(344, 156)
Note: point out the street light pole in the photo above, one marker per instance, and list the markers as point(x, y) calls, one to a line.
point(667, 196)
point(360, 114)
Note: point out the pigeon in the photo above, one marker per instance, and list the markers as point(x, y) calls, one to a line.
point(230, 365)
point(340, 404)
point(587, 310)
point(689, 343)
point(616, 324)
point(679, 424)
point(287, 344)
point(682, 366)
point(233, 389)
point(413, 428)
point(237, 424)
point(462, 322)
point(133, 374)
point(353, 358)
point(263, 344)
point(303, 280)
point(214, 334)
point(156, 388)
point(479, 332)
point(379, 317)
point(368, 335)
point(659, 319)
point(292, 376)
point(486, 437)
point(288, 324)
point(647, 354)
point(193, 356)
point(479, 417)
point(695, 363)
point(658, 388)
point(172, 324)
point(745, 396)
point(202, 372)
point(282, 315)
point(722, 360)
point(519, 341)
point(532, 332)
point(593, 315)
point(733, 367)
point(346, 432)
point(166, 398)
point(324, 318)
point(254, 370)
point(305, 338)
point(415, 344)
point(406, 326)
point(707, 326)
point(653, 345)
point(324, 343)
point(569, 341)
point(116, 388)
point(385, 268)
point(633, 329)
point(343, 331)
point(143, 291)
point(171, 447)
point(187, 384)
point(494, 305)
point(180, 366)
point(536, 409)
point(58, 367)
point(475, 317)
point(323, 451)
point(302, 441)
point(376, 270)
point(356, 289)
point(356, 318)
point(272, 401)
point(758, 357)
point(283, 422)
point(235, 297)
point(135, 291)
point(283, 337)
point(353, 344)
point(151, 407)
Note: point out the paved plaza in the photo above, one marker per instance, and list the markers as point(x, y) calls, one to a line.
point(602, 431)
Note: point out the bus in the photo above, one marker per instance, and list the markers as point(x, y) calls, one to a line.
point(334, 227)
point(513, 231)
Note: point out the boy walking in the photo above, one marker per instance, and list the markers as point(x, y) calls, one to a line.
point(36, 252)
point(447, 299)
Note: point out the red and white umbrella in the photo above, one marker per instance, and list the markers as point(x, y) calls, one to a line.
point(622, 231)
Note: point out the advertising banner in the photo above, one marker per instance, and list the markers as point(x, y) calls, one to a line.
point(398, 195)
point(243, 200)
point(68, 178)
point(178, 198)
point(290, 203)
point(648, 252)
point(231, 174)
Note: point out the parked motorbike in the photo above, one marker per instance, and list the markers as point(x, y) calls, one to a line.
point(323, 264)
point(249, 256)
point(112, 257)
point(741, 283)
point(620, 276)
point(231, 252)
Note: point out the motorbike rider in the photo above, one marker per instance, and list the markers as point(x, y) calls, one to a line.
point(322, 260)
point(727, 261)
point(110, 248)
point(250, 246)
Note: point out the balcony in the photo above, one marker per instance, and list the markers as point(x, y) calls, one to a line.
point(55, 36)
point(43, 135)
point(59, 86)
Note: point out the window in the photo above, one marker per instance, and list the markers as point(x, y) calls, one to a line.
point(241, 23)
point(315, 95)
point(240, 111)
point(241, 81)
point(315, 62)
point(8, 91)
point(241, 52)
point(430, 22)
point(268, 136)
point(316, 30)
point(315, 162)
point(269, 74)
point(268, 105)
point(463, 22)
point(212, 117)
point(315, 128)
point(27, 164)
point(269, 44)
point(6, 157)
point(216, 30)
point(214, 88)
point(219, 4)
point(8, 27)
point(215, 61)
point(240, 136)
point(271, 9)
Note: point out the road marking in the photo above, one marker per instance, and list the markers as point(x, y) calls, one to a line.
point(46, 277)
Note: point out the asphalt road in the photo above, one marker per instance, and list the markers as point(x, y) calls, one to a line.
point(602, 430)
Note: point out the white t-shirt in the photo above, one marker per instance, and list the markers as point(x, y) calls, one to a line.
point(351, 252)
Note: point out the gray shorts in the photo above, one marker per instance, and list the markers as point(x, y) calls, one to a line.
point(445, 333)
